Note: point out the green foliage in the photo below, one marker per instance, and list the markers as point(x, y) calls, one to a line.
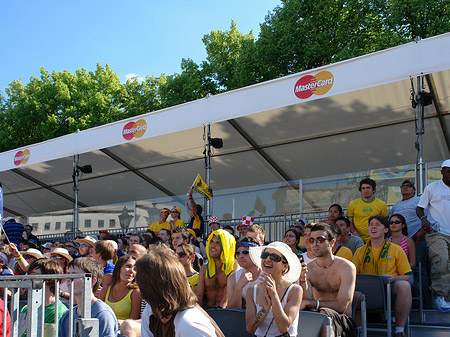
point(296, 36)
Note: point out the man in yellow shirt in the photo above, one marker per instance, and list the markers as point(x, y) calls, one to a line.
point(360, 210)
point(381, 257)
point(162, 223)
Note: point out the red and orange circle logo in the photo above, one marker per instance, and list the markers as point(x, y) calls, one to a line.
point(319, 84)
point(134, 129)
point(21, 157)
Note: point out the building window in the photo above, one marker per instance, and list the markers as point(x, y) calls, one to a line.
point(112, 223)
point(87, 223)
point(35, 226)
point(69, 225)
point(57, 225)
point(47, 226)
point(101, 223)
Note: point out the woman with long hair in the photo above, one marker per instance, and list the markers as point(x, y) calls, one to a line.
point(334, 212)
point(292, 239)
point(399, 235)
point(123, 295)
point(273, 304)
point(187, 257)
point(172, 307)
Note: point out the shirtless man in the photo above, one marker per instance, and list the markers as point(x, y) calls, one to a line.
point(242, 279)
point(330, 282)
point(214, 274)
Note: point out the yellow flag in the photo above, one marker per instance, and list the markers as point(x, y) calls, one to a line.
point(200, 186)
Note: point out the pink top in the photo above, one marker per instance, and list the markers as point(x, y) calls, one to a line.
point(403, 245)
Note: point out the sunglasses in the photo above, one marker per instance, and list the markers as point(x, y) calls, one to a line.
point(181, 254)
point(28, 257)
point(69, 246)
point(173, 211)
point(273, 257)
point(397, 222)
point(57, 257)
point(83, 245)
point(243, 252)
point(405, 186)
point(296, 226)
point(320, 239)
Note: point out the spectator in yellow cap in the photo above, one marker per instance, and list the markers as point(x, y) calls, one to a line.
point(175, 214)
point(162, 223)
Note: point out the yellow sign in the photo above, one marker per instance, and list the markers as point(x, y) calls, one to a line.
point(200, 186)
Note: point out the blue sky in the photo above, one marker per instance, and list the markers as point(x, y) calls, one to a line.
point(142, 37)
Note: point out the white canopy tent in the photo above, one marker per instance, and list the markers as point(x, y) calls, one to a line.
point(358, 116)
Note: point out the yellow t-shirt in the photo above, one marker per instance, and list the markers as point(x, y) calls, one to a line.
point(193, 280)
point(156, 226)
point(345, 253)
point(396, 263)
point(179, 223)
point(361, 211)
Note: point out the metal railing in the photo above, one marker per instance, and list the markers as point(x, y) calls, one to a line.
point(35, 288)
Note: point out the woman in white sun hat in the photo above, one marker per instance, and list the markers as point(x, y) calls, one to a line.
point(274, 303)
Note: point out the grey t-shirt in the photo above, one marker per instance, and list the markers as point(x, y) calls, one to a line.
point(354, 243)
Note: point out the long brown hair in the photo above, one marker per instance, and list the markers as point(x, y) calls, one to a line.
point(116, 273)
point(162, 281)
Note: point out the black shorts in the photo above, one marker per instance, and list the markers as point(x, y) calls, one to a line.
point(343, 325)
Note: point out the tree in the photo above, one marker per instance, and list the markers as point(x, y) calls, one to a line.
point(223, 49)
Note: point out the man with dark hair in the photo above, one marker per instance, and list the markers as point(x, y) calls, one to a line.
point(381, 257)
point(257, 232)
point(436, 224)
point(332, 280)
point(135, 238)
point(359, 210)
point(348, 240)
point(165, 236)
point(107, 321)
point(29, 236)
point(196, 222)
point(13, 230)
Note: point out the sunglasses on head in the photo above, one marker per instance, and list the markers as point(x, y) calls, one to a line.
point(273, 257)
point(320, 239)
point(181, 254)
point(397, 222)
point(244, 252)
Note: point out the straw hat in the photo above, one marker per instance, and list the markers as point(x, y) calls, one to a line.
point(295, 267)
point(87, 240)
point(33, 252)
point(62, 252)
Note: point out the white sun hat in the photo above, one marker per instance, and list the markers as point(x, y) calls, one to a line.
point(295, 267)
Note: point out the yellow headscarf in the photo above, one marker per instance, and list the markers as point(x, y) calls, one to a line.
point(228, 244)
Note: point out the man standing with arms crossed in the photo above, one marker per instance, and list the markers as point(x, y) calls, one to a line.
point(436, 224)
point(330, 282)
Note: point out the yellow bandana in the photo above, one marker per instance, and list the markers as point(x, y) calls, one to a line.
point(228, 244)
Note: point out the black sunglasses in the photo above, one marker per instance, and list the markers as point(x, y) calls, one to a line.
point(181, 254)
point(397, 222)
point(320, 239)
point(273, 257)
point(239, 252)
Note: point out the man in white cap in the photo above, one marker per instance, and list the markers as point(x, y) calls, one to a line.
point(436, 197)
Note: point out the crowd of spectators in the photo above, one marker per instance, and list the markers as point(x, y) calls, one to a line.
point(159, 282)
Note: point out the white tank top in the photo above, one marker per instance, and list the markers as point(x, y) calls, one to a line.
point(274, 331)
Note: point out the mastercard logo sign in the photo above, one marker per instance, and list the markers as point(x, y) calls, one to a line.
point(134, 129)
point(318, 84)
point(21, 157)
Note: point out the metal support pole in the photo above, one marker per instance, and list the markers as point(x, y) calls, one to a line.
point(208, 169)
point(420, 130)
point(76, 158)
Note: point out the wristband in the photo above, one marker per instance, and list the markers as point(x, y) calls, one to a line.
point(19, 258)
point(317, 305)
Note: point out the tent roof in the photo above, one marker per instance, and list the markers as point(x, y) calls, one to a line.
point(360, 119)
